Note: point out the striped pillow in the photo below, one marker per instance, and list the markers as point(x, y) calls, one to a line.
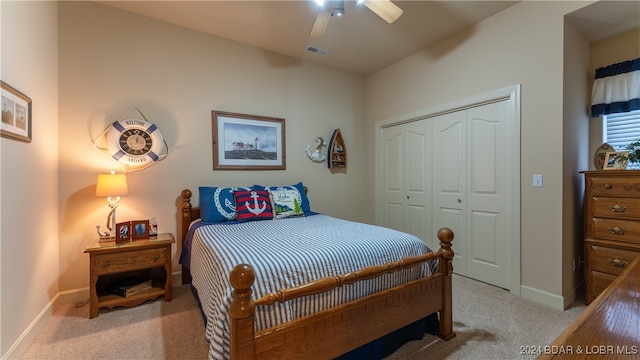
point(253, 205)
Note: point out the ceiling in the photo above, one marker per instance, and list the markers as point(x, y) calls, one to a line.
point(360, 41)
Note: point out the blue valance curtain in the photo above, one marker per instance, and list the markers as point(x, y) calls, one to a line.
point(616, 88)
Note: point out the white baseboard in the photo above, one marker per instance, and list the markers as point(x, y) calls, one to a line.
point(62, 298)
point(543, 297)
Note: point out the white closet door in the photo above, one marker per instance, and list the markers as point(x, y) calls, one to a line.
point(471, 189)
point(450, 181)
point(488, 193)
point(406, 165)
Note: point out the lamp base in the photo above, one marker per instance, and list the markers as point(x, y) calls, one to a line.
point(105, 236)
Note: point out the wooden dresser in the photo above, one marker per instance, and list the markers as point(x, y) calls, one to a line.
point(607, 329)
point(612, 226)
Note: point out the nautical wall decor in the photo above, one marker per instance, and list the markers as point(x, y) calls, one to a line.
point(318, 154)
point(134, 142)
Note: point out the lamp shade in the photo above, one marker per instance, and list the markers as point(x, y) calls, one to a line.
point(111, 185)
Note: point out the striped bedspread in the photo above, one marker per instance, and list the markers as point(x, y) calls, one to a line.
point(289, 252)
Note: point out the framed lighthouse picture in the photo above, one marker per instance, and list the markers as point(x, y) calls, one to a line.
point(247, 142)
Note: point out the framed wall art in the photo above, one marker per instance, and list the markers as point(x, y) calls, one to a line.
point(247, 142)
point(616, 160)
point(16, 114)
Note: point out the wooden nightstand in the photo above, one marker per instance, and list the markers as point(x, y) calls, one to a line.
point(148, 258)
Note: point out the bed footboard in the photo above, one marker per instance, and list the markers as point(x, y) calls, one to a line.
point(338, 330)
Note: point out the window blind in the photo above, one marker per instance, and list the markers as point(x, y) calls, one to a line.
point(622, 129)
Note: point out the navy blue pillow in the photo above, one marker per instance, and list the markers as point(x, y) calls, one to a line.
point(306, 207)
point(217, 204)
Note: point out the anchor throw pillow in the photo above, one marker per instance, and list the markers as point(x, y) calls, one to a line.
point(253, 205)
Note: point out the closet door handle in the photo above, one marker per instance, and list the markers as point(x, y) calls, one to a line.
point(459, 201)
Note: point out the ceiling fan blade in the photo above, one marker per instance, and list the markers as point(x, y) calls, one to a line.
point(387, 10)
point(321, 23)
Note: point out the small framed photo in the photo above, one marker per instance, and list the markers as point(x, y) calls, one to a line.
point(123, 232)
point(140, 229)
point(16, 114)
point(615, 160)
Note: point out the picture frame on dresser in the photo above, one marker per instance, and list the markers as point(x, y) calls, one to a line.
point(615, 160)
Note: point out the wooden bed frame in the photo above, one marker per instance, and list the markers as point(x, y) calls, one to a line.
point(341, 329)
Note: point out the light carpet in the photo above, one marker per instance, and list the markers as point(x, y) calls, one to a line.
point(490, 323)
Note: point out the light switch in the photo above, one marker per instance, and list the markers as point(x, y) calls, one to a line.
point(537, 180)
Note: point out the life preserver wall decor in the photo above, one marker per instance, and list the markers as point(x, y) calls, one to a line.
point(135, 143)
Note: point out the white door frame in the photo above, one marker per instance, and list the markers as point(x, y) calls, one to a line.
point(511, 93)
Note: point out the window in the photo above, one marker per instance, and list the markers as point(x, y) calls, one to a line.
point(621, 129)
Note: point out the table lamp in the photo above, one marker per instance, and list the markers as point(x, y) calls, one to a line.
point(111, 186)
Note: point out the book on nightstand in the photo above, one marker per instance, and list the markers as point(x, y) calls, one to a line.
point(129, 286)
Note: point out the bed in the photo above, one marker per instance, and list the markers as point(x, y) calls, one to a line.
point(309, 286)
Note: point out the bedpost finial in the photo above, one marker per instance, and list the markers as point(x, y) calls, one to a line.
point(446, 236)
point(186, 194)
point(242, 277)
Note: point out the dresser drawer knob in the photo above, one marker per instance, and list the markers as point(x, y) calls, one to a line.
point(617, 208)
point(617, 262)
point(617, 231)
point(156, 258)
point(608, 186)
point(106, 263)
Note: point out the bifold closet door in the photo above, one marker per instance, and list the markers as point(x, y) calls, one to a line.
point(471, 189)
point(406, 179)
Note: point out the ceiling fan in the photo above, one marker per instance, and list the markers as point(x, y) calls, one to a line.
point(387, 10)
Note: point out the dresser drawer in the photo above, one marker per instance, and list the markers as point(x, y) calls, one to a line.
point(610, 260)
point(615, 186)
point(599, 282)
point(130, 260)
point(618, 230)
point(618, 208)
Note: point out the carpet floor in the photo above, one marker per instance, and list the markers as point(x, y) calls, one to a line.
point(490, 323)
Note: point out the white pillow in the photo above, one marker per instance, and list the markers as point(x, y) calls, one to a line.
point(286, 203)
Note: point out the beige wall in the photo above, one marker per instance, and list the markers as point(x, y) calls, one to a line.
point(521, 45)
point(575, 144)
point(29, 171)
point(176, 77)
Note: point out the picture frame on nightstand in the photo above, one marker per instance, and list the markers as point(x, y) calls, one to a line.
point(140, 229)
point(123, 232)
